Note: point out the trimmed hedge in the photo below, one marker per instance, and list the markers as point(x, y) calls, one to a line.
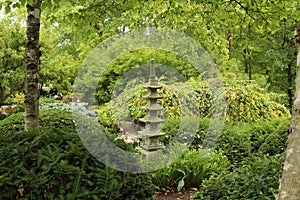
point(52, 163)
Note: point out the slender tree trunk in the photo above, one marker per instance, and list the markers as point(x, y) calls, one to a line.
point(247, 61)
point(290, 43)
point(290, 83)
point(289, 188)
point(32, 57)
point(1, 95)
point(229, 44)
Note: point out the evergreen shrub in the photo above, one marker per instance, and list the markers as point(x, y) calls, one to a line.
point(52, 163)
point(259, 179)
point(239, 142)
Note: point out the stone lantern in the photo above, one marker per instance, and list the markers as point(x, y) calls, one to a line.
point(151, 132)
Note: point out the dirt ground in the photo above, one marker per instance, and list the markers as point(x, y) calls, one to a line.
point(174, 195)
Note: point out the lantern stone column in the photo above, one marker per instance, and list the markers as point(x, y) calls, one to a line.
point(151, 133)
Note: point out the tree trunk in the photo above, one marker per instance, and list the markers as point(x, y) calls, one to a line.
point(229, 44)
point(247, 62)
point(1, 95)
point(32, 57)
point(289, 188)
point(290, 83)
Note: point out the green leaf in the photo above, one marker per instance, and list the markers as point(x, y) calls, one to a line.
point(7, 9)
point(180, 184)
point(30, 2)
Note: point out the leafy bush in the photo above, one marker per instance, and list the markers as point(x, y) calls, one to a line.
point(258, 179)
point(52, 163)
point(191, 169)
point(19, 101)
point(239, 142)
point(235, 141)
point(269, 137)
point(245, 103)
point(106, 118)
point(135, 59)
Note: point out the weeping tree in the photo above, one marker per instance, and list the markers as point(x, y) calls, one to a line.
point(290, 181)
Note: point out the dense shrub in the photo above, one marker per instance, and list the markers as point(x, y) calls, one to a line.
point(269, 137)
point(136, 59)
point(52, 163)
point(245, 103)
point(191, 169)
point(239, 142)
point(235, 141)
point(257, 180)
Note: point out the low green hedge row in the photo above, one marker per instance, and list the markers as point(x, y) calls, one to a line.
point(52, 163)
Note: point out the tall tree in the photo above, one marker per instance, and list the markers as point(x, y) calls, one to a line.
point(290, 180)
point(32, 57)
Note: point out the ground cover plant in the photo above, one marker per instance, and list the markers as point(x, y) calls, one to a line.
point(52, 163)
point(258, 179)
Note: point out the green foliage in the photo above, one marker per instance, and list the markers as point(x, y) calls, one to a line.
point(106, 118)
point(59, 61)
point(19, 101)
point(11, 58)
point(270, 138)
point(249, 103)
point(246, 102)
point(239, 142)
point(201, 133)
point(236, 143)
point(140, 58)
point(52, 163)
point(256, 180)
point(67, 107)
point(251, 151)
point(171, 128)
point(191, 169)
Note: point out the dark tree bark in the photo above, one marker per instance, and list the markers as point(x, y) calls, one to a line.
point(247, 61)
point(229, 44)
point(290, 180)
point(2, 98)
point(290, 83)
point(32, 57)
